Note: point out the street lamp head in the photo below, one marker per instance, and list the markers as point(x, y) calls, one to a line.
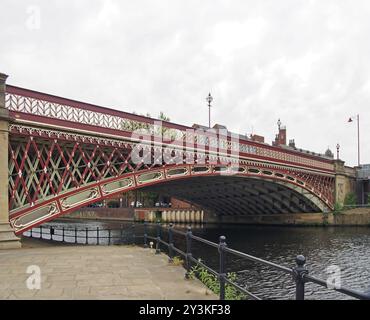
point(279, 124)
point(338, 146)
point(209, 98)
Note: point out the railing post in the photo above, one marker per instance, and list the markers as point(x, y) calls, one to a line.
point(222, 274)
point(299, 272)
point(170, 241)
point(157, 247)
point(51, 233)
point(76, 235)
point(109, 236)
point(133, 234)
point(121, 231)
point(97, 235)
point(145, 235)
point(87, 235)
point(31, 232)
point(63, 234)
point(40, 232)
point(188, 252)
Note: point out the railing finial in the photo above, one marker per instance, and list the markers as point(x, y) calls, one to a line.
point(300, 260)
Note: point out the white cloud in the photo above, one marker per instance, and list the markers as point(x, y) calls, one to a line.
point(229, 36)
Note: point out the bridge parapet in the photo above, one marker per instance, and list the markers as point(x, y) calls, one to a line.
point(40, 109)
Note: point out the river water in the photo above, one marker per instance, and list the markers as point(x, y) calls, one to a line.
point(344, 248)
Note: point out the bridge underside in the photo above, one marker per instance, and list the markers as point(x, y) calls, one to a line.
point(238, 195)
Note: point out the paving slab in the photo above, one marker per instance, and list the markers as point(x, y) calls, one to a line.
point(94, 272)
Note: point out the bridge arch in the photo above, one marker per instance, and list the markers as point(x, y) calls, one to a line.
point(227, 190)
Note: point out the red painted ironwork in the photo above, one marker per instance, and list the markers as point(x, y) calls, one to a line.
point(41, 108)
point(47, 170)
point(53, 171)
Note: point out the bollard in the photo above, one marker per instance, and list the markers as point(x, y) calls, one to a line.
point(109, 236)
point(40, 232)
point(121, 233)
point(222, 275)
point(299, 272)
point(87, 235)
point(75, 234)
point(133, 234)
point(145, 235)
point(170, 241)
point(188, 252)
point(63, 234)
point(157, 247)
point(51, 233)
point(97, 235)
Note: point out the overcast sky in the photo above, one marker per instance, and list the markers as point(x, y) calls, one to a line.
point(305, 62)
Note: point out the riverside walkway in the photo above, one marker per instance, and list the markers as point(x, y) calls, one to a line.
point(95, 272)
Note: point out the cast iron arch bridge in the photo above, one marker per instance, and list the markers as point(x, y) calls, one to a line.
point(65, 154)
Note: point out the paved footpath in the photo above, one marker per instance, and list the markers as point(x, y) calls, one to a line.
point(95, 272)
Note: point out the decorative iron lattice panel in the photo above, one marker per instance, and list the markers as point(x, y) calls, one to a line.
point(45, 166)
point(83, 115)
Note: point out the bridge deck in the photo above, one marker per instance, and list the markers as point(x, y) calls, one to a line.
point(95, 272)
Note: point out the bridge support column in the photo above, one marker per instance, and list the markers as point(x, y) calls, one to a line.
point(164, 216)
point(344, 181)
point(8, 240)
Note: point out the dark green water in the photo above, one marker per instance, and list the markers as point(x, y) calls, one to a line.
point(345, 247)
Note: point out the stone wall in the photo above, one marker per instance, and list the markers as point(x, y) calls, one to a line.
point(124, 214)
point(354, 217)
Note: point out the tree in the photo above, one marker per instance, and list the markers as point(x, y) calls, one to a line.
point(163, 117)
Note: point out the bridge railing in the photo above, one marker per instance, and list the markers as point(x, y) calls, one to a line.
point(27, 104)
point(86, 236)
point(130, 234)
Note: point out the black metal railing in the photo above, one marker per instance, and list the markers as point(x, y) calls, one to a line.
point(129, 234)
point(299, 273)
point(122, 235)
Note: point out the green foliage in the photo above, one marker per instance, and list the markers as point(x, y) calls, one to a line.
point(177, 261)
point(350, 199)
point(325, 219)
point(163, 117)
point(338, 208)
point(211, 282)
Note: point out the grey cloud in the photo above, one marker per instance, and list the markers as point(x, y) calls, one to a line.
point(305, 62)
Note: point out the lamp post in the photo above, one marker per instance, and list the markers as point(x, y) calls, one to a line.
point(358, 136)
point(338, 146)
point(279, 124)
point(209, 100)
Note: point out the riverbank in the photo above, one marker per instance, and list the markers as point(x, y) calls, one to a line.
point(94, 272)
point(354, 217)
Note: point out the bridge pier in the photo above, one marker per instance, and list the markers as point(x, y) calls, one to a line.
point(345, 178)
point(8, 240)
